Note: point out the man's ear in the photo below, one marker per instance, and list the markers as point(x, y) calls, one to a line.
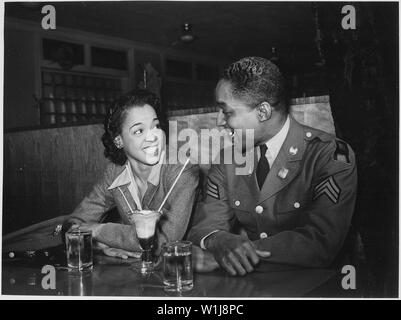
point(118, 142)
point(264, 111)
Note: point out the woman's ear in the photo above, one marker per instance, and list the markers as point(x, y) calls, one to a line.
point(264, 111)
point(118, 142)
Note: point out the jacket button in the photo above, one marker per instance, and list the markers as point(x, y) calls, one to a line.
point(296, 205)
point(263, 235)
point(237, 203)
point(259, 209)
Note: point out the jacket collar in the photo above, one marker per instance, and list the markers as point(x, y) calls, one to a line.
point(274, 144)
point(285, 167)
point(288, 161)
point(124, 177)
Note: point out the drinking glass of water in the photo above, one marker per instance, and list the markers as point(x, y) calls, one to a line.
point(177, 266)
point(79, 249)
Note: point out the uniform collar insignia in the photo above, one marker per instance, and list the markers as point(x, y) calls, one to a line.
point(283, 173)
point(293, 151)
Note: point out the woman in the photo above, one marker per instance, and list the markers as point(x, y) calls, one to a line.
point(137, 177)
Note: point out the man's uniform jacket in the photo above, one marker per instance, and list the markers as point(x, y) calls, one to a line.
point(303, 211)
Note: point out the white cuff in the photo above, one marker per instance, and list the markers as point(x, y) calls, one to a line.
point(202, 242)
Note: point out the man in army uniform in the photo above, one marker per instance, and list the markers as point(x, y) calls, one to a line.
point(295, 205)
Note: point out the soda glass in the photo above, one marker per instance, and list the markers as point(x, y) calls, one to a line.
point(144, 222)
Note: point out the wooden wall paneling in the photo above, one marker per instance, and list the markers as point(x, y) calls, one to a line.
point(10, 190)
point(48, 172)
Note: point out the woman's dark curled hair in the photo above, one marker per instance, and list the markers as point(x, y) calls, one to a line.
point(115, 116)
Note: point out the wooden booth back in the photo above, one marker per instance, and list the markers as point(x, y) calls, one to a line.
point(47, 172)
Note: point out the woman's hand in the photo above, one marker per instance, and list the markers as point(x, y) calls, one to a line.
point(102, 247)
point(115, 252)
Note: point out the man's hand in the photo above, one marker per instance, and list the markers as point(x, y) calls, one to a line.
point(202, 260)
point(115, 252)
point(235, 253)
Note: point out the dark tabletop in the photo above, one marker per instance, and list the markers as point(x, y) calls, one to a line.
point(115, 277)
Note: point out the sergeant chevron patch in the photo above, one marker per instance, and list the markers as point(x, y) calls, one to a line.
point(212, 189)
point(328, 187)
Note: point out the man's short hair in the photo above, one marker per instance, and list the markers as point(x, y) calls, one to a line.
point(256, 80)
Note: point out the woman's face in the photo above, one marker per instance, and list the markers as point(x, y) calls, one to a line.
point(141, 136)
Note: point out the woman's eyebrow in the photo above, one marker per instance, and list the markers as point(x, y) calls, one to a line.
point(135, 124)
point(155, 119)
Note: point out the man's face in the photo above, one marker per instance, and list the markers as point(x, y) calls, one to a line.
point(234, 113)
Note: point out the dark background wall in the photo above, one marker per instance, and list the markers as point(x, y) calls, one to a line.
point(362, 70)
point(19, 64)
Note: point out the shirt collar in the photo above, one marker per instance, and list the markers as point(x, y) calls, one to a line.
point(125, 176)
point(274, 144)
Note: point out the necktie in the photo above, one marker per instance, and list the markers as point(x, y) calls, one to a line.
point(263, 167)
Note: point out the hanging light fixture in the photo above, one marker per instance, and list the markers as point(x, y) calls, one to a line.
point(187, 36)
